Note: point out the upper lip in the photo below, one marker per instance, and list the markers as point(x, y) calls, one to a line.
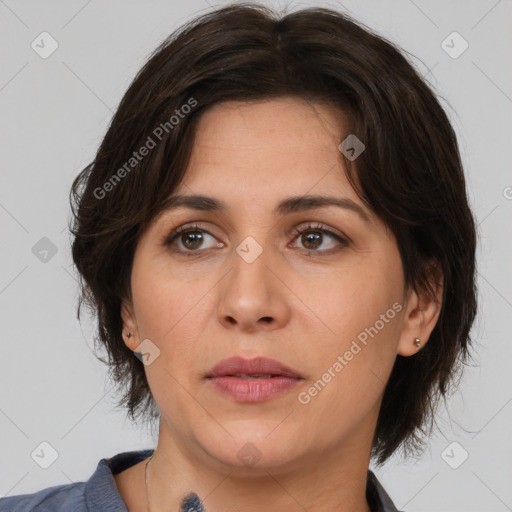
point(255, 366)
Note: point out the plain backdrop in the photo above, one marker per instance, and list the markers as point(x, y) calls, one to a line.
point(54, 113)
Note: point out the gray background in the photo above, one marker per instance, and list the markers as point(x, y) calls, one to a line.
point(54, 114)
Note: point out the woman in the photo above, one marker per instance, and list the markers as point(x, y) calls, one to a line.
point(276, 226)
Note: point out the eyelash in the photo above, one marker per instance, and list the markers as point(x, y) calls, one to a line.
point(297, 232)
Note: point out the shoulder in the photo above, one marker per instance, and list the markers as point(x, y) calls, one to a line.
point(55, 498)
point(97, 493)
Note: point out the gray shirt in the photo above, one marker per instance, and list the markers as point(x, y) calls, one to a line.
point(100, 493)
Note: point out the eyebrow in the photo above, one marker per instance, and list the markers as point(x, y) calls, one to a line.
point(286, 206)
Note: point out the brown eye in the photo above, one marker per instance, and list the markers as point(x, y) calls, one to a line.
point(191, 239)
point(311, 240)
point(195, 238)
point(313, 237)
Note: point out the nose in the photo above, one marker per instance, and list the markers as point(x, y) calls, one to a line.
point(253, 296)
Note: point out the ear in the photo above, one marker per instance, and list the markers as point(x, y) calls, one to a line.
point(422, 313)
point(129, 325)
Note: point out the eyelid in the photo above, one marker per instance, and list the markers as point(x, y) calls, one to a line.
point(320, 226)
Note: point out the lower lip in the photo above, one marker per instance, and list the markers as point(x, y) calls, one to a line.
point(252, 390)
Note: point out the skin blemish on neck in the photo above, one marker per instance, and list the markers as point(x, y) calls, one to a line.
point(192, 503)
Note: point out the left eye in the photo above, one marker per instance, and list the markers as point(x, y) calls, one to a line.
point(312, 237)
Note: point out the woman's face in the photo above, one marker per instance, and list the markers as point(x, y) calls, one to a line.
point(330, 305)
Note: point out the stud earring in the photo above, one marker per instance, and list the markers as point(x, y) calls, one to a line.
point(129, 335)
point(417, 341)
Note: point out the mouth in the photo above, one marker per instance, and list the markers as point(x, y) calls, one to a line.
point(252, 380)
point(256, 368)
point(253, 377)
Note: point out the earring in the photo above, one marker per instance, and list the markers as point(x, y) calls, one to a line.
point(417, 341)
point(129, 335)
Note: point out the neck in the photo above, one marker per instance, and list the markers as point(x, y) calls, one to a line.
point(331, 481)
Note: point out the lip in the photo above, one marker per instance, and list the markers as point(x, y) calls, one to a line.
point(255, 366)
point(223, 378)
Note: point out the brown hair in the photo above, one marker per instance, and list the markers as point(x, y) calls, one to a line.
point(410, 175)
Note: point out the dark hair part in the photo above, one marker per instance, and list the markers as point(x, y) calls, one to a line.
point(410, 175)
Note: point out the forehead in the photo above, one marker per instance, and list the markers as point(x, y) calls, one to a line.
point(259, 147)
point(256, 160)
point(270, 124)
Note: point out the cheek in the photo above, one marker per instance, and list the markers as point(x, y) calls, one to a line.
point(160, 298)
point(172, 312)
point(361, 309)
point(350, 302)
point(353, 365)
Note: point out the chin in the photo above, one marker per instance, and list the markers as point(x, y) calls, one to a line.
point(251, 447)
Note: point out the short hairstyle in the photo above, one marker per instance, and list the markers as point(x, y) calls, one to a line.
point(410, 174)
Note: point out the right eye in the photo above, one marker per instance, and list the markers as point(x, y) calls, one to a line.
point(191, 239)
